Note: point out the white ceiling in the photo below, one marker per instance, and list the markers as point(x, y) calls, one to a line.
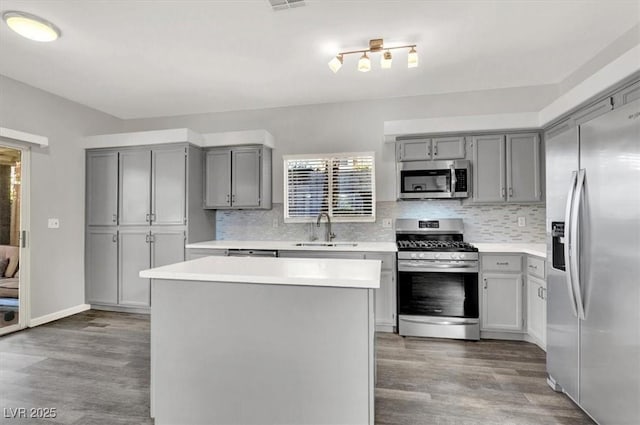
point(136, 59)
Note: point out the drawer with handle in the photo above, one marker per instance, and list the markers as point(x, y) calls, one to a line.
point(501, 263)
point(535, 267)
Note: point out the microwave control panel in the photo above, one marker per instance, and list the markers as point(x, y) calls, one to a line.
point(461, 180)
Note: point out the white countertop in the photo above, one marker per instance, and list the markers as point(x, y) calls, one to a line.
point(537, 249)
point(276, 271)
point(291, 245)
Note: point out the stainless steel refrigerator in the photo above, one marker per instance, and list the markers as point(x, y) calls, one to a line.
point(593, 251)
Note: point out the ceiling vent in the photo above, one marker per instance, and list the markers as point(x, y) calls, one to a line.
point(285, 4)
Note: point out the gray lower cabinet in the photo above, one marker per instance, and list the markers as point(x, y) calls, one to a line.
point(507, 168)
point(102, 188)
point(160, 192)
point(134, 254)
point(238, 177)
point(502, 293)
point(385, 296)
point(141, 249)
point(101, 272)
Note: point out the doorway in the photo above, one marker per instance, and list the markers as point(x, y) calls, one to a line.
point(13, 294)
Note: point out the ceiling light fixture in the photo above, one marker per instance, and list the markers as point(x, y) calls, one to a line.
point(31, 26)
point(364, 64)
point(336, 63)
point(375, 45)
point(385, 60)
point(412, 58)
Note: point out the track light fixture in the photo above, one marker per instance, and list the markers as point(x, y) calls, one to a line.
point(375, 45)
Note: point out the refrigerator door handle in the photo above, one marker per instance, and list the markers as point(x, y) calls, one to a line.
point(575, 244)
point(567, 242)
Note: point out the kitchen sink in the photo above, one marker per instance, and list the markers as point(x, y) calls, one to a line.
point(334, 244)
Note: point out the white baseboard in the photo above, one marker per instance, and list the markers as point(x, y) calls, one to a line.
point(58, 315)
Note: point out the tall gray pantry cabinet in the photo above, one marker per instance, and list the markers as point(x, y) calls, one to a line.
point(143, 204)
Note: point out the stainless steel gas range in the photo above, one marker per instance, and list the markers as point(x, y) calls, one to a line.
point(437, 280)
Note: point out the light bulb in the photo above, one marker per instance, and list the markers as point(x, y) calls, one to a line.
point(336, 63)
point(412, 59)
point(385, 61)
point(364, 64)
point(31, 26)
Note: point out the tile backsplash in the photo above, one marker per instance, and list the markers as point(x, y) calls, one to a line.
point(482, 223)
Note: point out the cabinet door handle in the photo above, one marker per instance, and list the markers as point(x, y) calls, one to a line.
point(435, 149)
point(146, 238)
point(147, 217)
point(114, 237)
point(510, 192)
point(503, 193)
point(542, 293)
point(485, 282)
point(152, 217)
point(233, 198)
point(114, 218)
point(539, 294)
point(506, 263)
point(227, 201)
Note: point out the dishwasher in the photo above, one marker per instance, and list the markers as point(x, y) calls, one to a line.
point(252, 253)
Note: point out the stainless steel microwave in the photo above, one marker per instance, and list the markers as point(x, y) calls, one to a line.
point(433, 179)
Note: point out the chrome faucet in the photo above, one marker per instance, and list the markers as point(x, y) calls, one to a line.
point(329, 235)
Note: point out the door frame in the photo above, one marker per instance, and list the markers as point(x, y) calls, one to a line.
point(24, 288)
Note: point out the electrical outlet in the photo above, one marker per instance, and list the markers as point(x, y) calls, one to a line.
point(53, 223)
point(387, 223)
point(275, 223)
point(522, 221)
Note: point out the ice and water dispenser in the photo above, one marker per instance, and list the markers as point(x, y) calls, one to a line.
point(557, 245)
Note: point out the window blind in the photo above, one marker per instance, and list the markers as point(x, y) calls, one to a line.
point(342, 185)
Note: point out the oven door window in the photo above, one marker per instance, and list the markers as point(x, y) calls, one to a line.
point(430, 181)
point(438, 294)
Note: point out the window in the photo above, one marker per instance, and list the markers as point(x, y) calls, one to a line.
point(342, 185)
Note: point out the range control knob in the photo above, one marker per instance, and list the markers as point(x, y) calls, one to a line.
point(421, 255)
point(413, 255)
point(462, 256)
point(436, 256)
point(455, 256)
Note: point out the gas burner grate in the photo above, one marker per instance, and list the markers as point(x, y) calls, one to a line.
point(435, 245)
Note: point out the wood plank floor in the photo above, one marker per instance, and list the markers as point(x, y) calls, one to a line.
point(94, 369)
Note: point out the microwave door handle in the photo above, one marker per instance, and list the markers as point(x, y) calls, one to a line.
point(575, 244)
point(453, 179)
point(567, 242)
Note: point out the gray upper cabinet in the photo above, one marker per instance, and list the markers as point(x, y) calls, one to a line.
point(245, 178)
point(414, 150)
point(448, 147)
point(507, 168)
point(168, 193)
point(523, 168)
point(431, 149)
point(238, 178)
point(101, 265)
point(102, 188)
point(488, 168)
point(218, 178)
point(135, 187)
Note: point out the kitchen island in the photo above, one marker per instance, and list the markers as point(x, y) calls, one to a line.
point(263, 341)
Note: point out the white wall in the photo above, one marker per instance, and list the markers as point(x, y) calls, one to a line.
point(57, 188)
point(354, 126)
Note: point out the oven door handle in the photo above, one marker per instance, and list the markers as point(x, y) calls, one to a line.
point(421, 265)
point(439, 322)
